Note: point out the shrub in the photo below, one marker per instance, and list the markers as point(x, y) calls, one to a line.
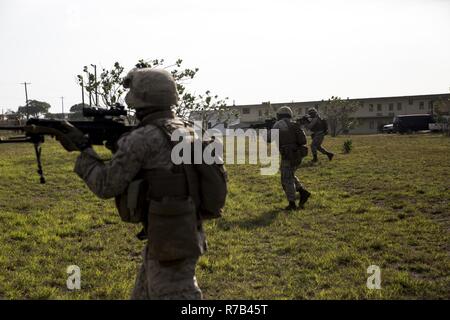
point(347, 146)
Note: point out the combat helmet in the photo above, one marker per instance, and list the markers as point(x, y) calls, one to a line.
point(149, 88)
point(286, 111)
point(312, 111)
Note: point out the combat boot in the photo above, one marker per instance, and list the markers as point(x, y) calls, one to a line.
point(291, 206)
point(315, 159)
point(304, 196)
point(330, 155)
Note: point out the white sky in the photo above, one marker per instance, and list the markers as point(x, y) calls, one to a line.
point(249, 51)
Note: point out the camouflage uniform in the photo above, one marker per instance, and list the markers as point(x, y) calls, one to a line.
point(290, 183)
point(166, 281)
point(317, 136)
point(316, 143)
point(143, 148)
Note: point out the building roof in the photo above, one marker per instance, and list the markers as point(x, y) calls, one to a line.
point(300, 103)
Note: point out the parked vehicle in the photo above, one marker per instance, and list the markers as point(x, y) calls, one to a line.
point(440, 125)
point(388, 128)
point(412, 122)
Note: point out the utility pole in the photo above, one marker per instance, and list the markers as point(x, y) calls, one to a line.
point(96, 92)
point(26, 97)
point(62, 107)
point(82, 92)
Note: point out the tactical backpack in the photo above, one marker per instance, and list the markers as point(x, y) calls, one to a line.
point(321, 125)
point(292, 144)
point(205, 183)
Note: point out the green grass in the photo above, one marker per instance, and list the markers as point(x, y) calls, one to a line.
point(386, 203)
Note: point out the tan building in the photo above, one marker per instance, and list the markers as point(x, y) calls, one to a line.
point(372, 114)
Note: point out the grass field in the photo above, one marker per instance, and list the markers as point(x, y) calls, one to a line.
point(387, 203)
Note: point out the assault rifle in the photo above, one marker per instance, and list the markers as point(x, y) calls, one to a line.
point(303, 120)
point(267, 124)
point(105, 129)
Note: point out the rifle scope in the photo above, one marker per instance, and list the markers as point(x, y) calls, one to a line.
point(101, 112)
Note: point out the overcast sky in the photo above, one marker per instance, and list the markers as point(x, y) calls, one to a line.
point(249, 51)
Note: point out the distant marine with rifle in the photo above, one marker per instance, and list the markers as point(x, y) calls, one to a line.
point(319, 128)
point(292, 141)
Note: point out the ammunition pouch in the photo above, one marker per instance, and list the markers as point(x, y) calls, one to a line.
point(133, 203)
point(173, 229)
point(164, 183)
point(293, 153)
point(160, 199)
point(150, 184)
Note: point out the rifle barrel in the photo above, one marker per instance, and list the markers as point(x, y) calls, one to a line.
point(15, 140)
point(12, 128)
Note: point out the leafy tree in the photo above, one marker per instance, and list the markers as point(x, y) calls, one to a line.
point(12, 115)
point(76, 111)
point(34, 108)
point(442, 114)
point(109, 87)
point(207, 107)
point(339, 114)
point(78, 108)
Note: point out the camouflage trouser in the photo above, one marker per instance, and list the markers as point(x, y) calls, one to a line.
point(289, 181)
point(316, 144)
point(167, 280)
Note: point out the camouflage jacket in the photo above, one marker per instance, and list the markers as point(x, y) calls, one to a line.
point(315, 125)
point(145, 147)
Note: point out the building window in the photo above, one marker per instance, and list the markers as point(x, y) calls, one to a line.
point(371, 123)
point(260, 113)
point(399, 106)
point(371, 107)
point(410, 101)
point(245, 110)
point(421, 104)
point(379, 107)
point(391, 107)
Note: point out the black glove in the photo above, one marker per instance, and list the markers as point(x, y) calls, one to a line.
point(73, 139)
